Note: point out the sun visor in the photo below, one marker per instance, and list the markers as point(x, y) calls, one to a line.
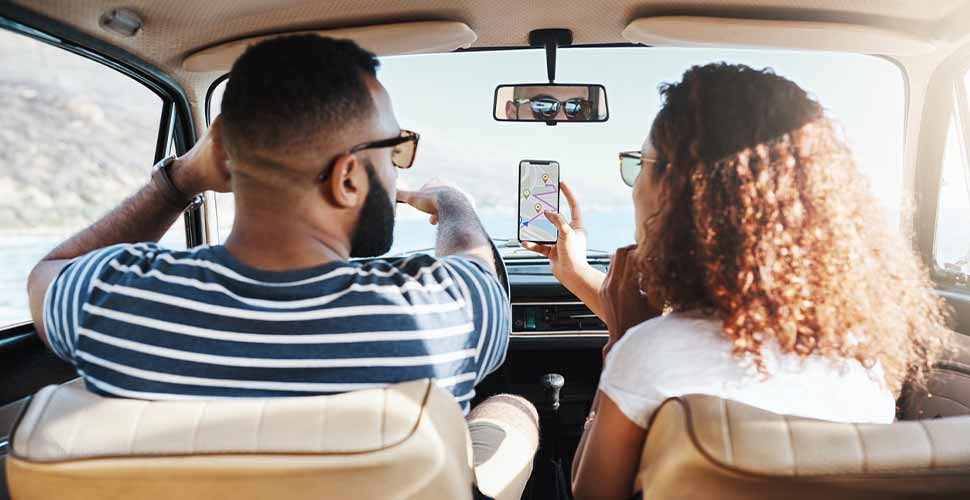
point(696, 31)
point(383, 40)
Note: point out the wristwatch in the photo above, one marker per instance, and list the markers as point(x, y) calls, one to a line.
point(162, 178)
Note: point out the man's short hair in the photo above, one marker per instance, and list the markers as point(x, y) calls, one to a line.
point(285, 91)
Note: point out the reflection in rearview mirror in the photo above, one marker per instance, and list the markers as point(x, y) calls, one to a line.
point(538, 102)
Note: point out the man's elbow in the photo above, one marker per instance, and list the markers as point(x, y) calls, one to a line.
point(34, 280)
point(38, 281)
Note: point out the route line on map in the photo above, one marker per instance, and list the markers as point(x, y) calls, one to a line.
point(532, 219)
point(550, 205)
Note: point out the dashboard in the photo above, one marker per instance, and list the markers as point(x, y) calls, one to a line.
point(552, 332)
point(543, 309)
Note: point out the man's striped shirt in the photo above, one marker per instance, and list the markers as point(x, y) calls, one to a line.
point(142, 321)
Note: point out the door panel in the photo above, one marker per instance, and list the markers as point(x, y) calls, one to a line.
point(959, 303)
point(78, 136)
point(26, 364)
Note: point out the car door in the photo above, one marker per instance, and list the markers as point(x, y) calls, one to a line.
point(943, 188)
point(81, 130)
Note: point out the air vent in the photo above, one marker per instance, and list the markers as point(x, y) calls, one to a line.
point(552, 317)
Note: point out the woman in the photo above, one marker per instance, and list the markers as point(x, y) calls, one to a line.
point(784, 286)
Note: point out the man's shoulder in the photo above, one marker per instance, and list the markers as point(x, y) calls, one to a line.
point(152, 250)
point(423, 263)
point(137, 259)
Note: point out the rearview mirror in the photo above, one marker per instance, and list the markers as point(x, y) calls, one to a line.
point(551, 103)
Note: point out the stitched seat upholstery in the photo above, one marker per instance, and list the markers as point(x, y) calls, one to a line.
point(409, 440)
point(701, 446)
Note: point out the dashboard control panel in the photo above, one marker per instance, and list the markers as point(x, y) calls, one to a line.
point(554, 317)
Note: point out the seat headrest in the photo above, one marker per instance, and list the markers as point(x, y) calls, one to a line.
point(731, 450)
point(762, 442)
point(67, 422)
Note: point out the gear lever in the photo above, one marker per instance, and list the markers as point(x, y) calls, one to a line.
point(552, 383)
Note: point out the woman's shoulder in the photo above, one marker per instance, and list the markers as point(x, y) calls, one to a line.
point(672, 341)
point(669, 355)
point(676, 328)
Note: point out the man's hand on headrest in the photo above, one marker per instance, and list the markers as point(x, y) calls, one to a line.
point(204, 167)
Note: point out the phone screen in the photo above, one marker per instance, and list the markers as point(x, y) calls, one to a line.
point(538, 193)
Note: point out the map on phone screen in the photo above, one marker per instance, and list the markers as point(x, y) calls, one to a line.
point(539, 192)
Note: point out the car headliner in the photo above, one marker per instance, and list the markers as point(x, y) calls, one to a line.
point(175, 28)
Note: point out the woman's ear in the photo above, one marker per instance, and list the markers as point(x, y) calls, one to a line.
point(344, 187)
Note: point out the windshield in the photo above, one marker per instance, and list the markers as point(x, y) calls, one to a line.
point(448, 99)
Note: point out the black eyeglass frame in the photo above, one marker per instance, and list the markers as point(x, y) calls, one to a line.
point(404, 136)
point(634, 155)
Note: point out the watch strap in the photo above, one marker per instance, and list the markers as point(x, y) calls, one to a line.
point(162, 178)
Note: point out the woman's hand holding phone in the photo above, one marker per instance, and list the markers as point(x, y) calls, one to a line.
point(615, 296)
point(567, 256)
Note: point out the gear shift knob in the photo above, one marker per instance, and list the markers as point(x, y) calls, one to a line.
point(552, 383)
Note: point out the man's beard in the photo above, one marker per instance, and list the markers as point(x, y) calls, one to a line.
point(374, 233)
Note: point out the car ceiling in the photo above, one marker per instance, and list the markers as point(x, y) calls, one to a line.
point(176, 28)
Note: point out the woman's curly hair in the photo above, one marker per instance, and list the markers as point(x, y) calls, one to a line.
point(767, 221)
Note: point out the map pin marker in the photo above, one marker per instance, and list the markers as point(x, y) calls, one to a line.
point(538, 208)
point(545, 177)
point(526, 193)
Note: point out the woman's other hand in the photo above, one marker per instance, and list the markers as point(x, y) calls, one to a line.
point(624, 305)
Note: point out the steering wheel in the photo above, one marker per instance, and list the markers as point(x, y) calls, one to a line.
point(501, 272)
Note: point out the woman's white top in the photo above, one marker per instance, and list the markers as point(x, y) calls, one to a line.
point(687, 353)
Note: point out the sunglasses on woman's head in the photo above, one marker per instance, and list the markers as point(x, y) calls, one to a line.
point(631, 163)
point(546, 107)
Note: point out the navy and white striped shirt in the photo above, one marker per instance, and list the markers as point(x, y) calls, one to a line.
point(142, 321)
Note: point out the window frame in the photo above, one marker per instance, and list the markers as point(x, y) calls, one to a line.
point(961, 115)
point(175, 123)
point(945, 100)
point(175, 120)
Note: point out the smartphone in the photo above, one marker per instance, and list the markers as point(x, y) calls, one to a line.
point(538, 193)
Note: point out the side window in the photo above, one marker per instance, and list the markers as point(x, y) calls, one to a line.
point(225, 203)
point(952, 241)
point(76, 138)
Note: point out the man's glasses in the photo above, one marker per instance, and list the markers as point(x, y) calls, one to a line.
point(405, 148)
point(546, 107)
point(631, 163)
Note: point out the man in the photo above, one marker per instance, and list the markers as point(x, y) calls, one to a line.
point(309, 146)
point(563, 103)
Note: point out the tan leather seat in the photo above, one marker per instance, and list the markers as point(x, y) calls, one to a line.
point(405, 441)
point(706, 447)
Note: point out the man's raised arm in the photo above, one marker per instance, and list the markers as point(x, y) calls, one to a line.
point(143, 217)
point(460, 232)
